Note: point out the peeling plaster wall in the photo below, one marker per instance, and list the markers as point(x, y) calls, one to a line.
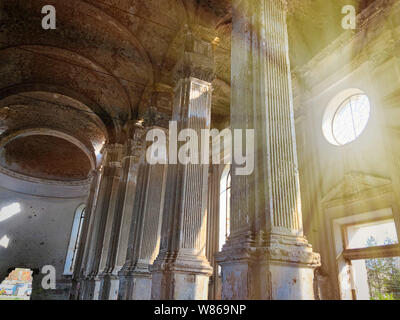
point(39, 235)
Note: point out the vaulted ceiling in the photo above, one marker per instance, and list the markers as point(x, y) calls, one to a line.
point(80, 83)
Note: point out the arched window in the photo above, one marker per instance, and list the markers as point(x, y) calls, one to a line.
point(224, 206)
point(74, 240)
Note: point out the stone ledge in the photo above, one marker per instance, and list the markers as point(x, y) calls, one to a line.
point(274, 249)
point(179, 262)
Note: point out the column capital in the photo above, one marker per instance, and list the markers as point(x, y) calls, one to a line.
point(154, 118)
point(112, 169)
point(93, 173)
point(113, 152)
point(136, 145)
point(196, 60)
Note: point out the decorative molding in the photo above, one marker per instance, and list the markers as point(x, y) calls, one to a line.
point(274, 248)
point(45, 181)
point(378, 9)
point(357, 186)
point(152, 117)
point(196, 61)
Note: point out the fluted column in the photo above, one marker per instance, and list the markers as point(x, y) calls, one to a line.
point(181, 270)
point(266, 256)
point(103, 217)
point(145, 232)
point(122, 218)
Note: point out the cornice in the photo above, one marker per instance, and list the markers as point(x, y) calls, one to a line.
point(377, 10)
point(23, 177)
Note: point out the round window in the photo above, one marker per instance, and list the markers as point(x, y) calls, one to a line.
point(346, 119)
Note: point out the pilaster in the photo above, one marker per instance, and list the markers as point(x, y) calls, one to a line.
point(102, 220)
point(78, 275)
point(145, 227)
point(181, 270)
point(133, 156)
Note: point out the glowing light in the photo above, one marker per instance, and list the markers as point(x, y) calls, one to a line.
point(197, 93)
point(4, 242)
point(9, 211)
point(350, 119)
point(216, 41)
point(98, 148)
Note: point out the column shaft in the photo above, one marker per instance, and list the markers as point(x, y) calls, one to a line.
point(103, 217)
point(181, 269)
point(266, 256)
point(115, 259)
point(146, 234)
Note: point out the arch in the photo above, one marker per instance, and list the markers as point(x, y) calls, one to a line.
point(49, 132)
point(81, 61)
point(129, 36)
point(100, 116)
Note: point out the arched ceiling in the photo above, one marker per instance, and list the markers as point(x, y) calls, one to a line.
point(45, 157)
point(73, 88)
point(88, 77)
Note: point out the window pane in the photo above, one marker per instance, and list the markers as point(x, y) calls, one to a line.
point(377, 279)
point(377, 233)
point(351, 119)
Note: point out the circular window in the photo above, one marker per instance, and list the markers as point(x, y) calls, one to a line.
point(346, 117)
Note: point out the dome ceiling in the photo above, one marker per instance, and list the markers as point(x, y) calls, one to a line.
point(45, 157)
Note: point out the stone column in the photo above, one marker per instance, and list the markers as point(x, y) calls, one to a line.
point(122, 219)
point(267, 255)
point(181, 270)
point(144, 239)
point(125, 274)
point(103, 216)
point(78, 274)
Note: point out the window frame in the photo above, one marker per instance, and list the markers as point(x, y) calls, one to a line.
point(375, 252)
point(75, 236)
point(341, 106)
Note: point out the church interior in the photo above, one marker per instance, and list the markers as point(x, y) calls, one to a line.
point(85, 216)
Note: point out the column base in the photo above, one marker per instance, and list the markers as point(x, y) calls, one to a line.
point(81, 292)
point(180, 277)
point(124, 284)
point(96, 288)
point(87, 290)
point(135, 285)
point(74, 291)
point(109, 283)
point(280, 268)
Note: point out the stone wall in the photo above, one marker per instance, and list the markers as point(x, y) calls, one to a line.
point(35, 231)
